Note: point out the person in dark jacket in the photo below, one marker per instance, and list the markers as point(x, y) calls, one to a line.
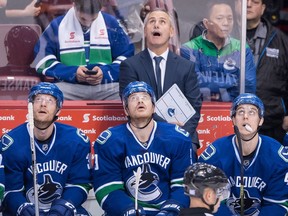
point(270, 49)
point(207, 186)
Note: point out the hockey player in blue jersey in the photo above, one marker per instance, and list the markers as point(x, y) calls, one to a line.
point(62, 152)
point(259, 175)
point(162, 151)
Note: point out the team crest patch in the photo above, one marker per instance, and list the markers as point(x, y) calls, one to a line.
point(209, 152)
point(283, 153)
point(7, 141)
point(81, 134)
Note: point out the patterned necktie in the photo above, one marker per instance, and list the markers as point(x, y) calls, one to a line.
point(158, 75)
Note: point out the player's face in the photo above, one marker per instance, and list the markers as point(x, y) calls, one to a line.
point(140, 105)
point(158, 30)
point(247, 119)
point(220, 22)
point(255, 9)
point(45, 108)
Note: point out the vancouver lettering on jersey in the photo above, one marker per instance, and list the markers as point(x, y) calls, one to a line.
point(148, 157)
point(50, 166)
point(248, 182)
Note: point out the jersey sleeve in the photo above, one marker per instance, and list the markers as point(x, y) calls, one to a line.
point(275, 197)
point(2, 176)
point(80, 177)
point(182, 158)
point(107, 178)
point(14, 169)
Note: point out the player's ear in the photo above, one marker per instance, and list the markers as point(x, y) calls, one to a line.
point(125, 109)
point(233, 120)
point(261, 121)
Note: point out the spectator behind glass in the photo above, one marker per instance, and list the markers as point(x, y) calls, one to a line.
point(160, 150)
point(217, 56)
point(21, 12)
point(270, 49)
point(84, 39)
point(207, 186)
point(158, 30)
point(265, 163)
point(63, 178)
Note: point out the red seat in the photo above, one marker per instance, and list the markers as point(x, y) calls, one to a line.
point(17, 73)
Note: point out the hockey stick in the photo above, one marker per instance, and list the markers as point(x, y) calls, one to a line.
point(33, 153)
point(137, 182)
point(236, 130)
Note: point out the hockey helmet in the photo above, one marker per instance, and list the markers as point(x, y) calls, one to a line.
point(199, 176)
point(137, 86)
point(46, 88)
point(247, 98)
point(19, 44)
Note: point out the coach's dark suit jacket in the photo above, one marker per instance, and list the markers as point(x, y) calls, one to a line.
point(178, 70)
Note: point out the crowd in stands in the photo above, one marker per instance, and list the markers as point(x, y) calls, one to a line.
point(83, 50)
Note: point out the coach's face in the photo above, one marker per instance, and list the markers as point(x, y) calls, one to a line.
point(158, 30)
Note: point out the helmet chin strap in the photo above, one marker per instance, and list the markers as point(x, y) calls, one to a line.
point(54, 119)
point(129, 120)
point(211, 207)
point(149, 120)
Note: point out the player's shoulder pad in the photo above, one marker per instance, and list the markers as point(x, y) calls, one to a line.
point(104, 136)
point(7, 141)
point(283, 153)
point(208, 152)
point(181, 131)
point(82, 135)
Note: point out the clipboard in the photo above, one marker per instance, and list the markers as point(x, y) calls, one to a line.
point(173, 106)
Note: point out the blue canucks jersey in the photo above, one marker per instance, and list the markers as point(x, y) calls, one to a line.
point(62, 167)
point(265, 176)
point(163, 161)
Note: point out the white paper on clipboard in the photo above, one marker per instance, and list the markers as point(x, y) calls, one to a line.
point(173, 106)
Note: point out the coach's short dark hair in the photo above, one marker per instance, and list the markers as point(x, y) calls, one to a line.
point(88, 6)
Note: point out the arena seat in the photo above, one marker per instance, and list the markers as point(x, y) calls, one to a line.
point(17, 73)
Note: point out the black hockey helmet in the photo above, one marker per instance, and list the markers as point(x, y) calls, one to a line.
point(199, 176)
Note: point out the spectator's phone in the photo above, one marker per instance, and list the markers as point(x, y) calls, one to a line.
point(90, 72)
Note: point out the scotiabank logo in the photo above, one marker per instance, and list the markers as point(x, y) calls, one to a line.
point(72, 35)
point(220, 118)
point(7, 118)
point(86, 118)
point(65, 118)
point(102, 32)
